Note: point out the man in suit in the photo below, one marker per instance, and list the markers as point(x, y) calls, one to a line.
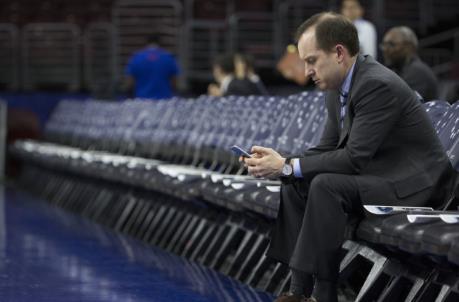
point(378, 147)
point(399, 49)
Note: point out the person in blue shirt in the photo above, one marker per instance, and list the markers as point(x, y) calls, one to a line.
point(152, 71)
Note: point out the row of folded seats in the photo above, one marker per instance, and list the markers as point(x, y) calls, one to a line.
point(180, 149)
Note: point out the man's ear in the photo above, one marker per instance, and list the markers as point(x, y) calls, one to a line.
point(340, 52)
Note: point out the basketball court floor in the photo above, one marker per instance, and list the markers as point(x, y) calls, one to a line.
point(50, 255)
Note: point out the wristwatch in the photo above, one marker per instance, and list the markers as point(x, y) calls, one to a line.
point(287, 169)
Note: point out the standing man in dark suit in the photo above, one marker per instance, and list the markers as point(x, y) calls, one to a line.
point(378, 147)
point(399, 48)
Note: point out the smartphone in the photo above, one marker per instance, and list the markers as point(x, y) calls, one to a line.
point(240, 152)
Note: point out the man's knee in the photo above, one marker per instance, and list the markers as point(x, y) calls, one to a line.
point(294, 193)
point(335, 187)
point(321, 182)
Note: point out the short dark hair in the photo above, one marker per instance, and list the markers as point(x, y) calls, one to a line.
point(225, 62)
point(331, 29)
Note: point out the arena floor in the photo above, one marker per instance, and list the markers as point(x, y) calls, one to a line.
point(50, 255)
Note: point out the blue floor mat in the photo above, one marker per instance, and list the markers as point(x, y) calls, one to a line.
point(50, 255)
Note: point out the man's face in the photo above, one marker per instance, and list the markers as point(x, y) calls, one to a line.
point(351, 9)
point(393, 48)
point(320, 66)
point(240, 68)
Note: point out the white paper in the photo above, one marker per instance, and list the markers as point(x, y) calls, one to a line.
point(386, 210)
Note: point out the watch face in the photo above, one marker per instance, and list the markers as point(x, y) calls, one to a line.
point(287, 170)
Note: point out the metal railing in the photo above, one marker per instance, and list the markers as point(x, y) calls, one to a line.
point(44, 54)
point(99, 58)
point(291, 14)
point(435, 54)
point(50, 55)
point(136, 19)
point(9, 56)
point(254, 33)
point(220, 8)
point(203, 40)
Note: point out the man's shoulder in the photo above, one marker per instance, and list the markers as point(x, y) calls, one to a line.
point(372, 74)
point(370, 70)
point(417, 66)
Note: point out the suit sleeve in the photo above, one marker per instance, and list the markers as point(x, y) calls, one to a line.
point(376, 111)
point(330, 135)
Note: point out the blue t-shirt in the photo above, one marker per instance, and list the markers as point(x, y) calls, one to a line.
point(152, 69)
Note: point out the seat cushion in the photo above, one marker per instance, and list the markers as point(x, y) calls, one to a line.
point(437, 239)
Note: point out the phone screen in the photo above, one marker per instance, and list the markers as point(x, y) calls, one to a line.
point(240, 152)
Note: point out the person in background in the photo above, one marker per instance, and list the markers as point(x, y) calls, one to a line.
point(152, 71)
point(244, 69)
point(226, 82)
point(399, 48)
point(353, 10)
point(291, 66)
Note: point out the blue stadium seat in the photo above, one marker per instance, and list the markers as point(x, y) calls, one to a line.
point(436, 110)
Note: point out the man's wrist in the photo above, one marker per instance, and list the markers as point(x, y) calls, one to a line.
point(287, 168)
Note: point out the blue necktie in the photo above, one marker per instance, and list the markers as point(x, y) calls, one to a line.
point(343, 100)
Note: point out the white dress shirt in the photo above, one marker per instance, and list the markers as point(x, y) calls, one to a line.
point(367, 37)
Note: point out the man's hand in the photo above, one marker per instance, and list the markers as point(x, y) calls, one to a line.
point(265, 162)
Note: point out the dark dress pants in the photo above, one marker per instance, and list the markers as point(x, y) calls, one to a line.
point(311, 223)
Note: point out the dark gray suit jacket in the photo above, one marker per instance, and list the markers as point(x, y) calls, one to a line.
point(387, 142)
point(421, 78)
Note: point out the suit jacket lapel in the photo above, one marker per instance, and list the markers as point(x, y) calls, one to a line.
point(349, 116)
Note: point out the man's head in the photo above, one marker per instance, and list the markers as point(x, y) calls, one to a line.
point(399, 44)
point(352, 9)
point(328, 44)
point(243, 65)
point(223, 66)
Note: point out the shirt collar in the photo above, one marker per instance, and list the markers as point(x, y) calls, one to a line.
point(346, 86)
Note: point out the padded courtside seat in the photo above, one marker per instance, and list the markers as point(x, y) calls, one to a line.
point(438, 238)
point(436, 110)
point(410, 237)
point(387, 230)
point(447, 127)
point(393, 227)
point(453, 254)
point(370, 228)
point(377, 229)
